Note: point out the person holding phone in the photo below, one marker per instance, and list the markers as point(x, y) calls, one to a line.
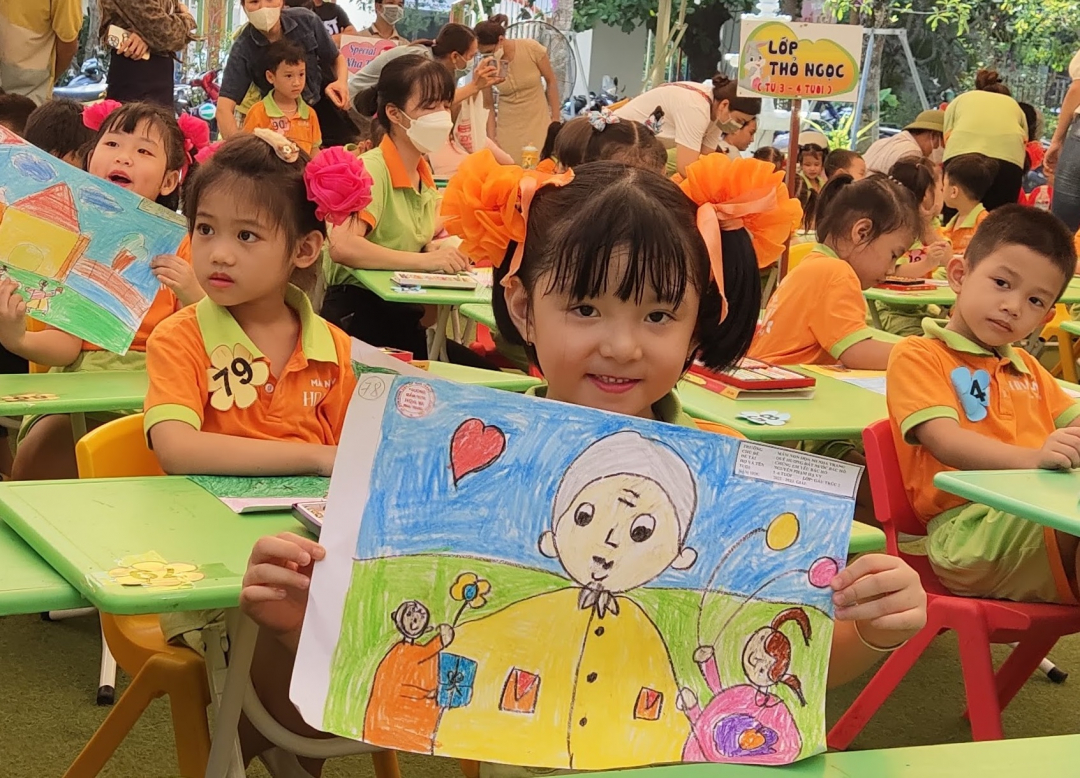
point(142, 65)
point(528, 98)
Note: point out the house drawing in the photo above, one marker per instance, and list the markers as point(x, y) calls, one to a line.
point(41, 233)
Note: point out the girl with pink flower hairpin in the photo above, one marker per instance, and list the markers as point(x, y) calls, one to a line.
point(250, 381)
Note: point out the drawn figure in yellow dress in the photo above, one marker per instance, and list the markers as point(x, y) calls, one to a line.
point(580, 677)
point(38, 299)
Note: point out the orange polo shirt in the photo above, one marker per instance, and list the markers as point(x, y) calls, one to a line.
point(816, 314)
point(302, 128)
point(961, 233)
point(927, 379)
point(205, 371)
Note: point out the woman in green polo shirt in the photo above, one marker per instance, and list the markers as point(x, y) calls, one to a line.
point(989, 121)
point(395, 232)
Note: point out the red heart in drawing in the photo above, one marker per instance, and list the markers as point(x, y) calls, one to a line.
point(474, 447)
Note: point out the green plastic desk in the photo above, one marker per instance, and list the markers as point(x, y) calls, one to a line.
point(493, 379)
point(1047, 757)
point(865, 539)
point(1071, 327)
point(945, 296)
point(83, 529)
point(379, 282)
point(114, 390)
point(837, 411)
point(27, 583)
point(480, 313)
point(1047, 497)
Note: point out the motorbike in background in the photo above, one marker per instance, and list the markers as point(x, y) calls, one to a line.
point(87, 85)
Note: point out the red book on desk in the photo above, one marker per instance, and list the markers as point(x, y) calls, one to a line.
point(754, 378)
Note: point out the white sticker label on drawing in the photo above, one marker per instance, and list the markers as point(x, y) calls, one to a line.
point(794, 468)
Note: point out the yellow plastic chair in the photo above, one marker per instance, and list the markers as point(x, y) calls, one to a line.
point(797, 254)
point(1066, 366)
point(33, 325)
point(116, 450)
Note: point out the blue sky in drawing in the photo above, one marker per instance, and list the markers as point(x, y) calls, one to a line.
point(501, 511)
point(110, 215)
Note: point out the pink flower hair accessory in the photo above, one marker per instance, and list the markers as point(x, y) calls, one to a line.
point(338, 184)
point(95, 115)
point(207, 151)
point(196, 138)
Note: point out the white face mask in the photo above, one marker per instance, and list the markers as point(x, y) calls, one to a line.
point(937, 155)
point(430, 132)
point(392, 14)
point(264, 19)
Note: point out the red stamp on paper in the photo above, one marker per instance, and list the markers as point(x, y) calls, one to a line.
point(415, 400)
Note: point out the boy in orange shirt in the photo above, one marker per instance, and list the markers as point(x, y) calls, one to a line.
point(962, 398)
point(284, 110)
point(967, 179)
point(818, 314)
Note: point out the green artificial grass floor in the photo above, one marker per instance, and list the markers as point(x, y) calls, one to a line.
point(48, 675)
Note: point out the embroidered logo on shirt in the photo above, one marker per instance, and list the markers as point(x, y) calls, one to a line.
point(234, 377)
point(973, 391)
point(520, 692)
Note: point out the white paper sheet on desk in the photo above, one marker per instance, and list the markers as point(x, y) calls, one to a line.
point(876, 384)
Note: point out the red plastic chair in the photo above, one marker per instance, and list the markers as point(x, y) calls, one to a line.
point(1035, 627)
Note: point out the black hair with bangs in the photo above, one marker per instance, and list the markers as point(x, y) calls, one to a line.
point(575, 232)
point(127, 118)
point(402, 79)
point(254, 176)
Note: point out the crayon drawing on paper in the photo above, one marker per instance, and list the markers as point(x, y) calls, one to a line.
point(79, 247)
point(521, 581)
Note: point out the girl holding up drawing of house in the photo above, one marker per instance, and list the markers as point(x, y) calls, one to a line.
point(139, 147)
point(613, 304)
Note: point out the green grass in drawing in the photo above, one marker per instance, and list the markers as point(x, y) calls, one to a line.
point(222, 486)
point(370, 632)
point(69, 309)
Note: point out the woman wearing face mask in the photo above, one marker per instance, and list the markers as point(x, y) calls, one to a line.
point(387, 15)
point(528, 98)
point(412, 104)
point(696, 116)
point(141, 67)
point(270, 22)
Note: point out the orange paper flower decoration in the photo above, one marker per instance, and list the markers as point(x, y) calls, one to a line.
point(480, 206)
point(747, 193)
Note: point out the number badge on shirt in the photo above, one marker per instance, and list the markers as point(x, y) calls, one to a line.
point(234, 376)
point(973, 390)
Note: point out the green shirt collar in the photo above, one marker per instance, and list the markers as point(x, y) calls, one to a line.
point(667, 409)
point(970, 221)
point(958, 342)
point(218, 327)
point(821, 248)
point(275, 112)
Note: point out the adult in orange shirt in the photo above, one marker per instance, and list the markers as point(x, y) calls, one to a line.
point(818, 314)
point(962, 398)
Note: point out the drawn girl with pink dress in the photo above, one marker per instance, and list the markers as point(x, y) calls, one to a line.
point(38, 297)
point(747, 722)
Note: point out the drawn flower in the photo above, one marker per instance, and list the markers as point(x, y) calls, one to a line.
point(162, 575)
point(234, 377)
point(470, 589)
point(338, 184)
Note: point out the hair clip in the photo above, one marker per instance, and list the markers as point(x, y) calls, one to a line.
point(95, 115)
point(601, 119)
point(286, 150)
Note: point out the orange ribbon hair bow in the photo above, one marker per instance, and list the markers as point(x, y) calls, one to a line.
point(740, 194)
point(487, 205)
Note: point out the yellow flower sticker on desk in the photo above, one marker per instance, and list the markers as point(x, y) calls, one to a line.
point(235, 377)
point(161, 575)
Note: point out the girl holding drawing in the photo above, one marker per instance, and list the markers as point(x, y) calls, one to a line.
point(142, 148)
point(614, 304)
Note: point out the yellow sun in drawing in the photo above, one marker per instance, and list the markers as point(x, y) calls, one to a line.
point(157, 574)
point(234, 377)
